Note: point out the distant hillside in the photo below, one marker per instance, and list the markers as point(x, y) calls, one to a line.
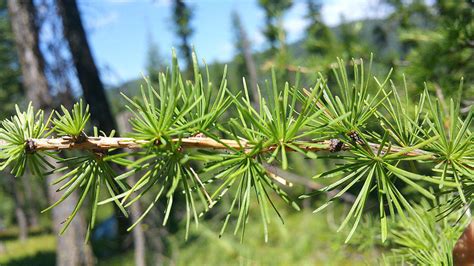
point(130, 88)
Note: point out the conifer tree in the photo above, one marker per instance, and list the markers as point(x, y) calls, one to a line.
point(182, 20)
point(244, 59)
point(319, 40)
point(273, 31)
point(275, 34)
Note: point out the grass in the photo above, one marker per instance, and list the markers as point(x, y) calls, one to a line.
point(304, 239)
point(36, 250)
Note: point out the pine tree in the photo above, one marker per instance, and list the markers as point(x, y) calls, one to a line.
point(320, 40)
point(275, 34)
point(274, 31)
point(182, 20)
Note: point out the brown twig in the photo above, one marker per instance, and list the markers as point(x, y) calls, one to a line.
point(107, 143)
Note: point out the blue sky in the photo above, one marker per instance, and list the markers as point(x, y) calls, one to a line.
point(119, 30)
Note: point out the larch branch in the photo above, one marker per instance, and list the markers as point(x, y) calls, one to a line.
point(107, 143)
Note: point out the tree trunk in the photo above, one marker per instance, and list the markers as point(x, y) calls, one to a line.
point(87, 72)
point(92, 88)
point(139, 240)
point(463, 253)
point(250, 64)
point(70, 247)
point(138, 234)
point(19, 211)
point(32, 209)
point(26, 38)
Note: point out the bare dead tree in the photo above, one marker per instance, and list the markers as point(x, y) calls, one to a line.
point(244, 47)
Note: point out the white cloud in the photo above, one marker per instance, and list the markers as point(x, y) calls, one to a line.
point(120, 1)
point(226, 51)
point(257, 39)
point(163, 3)
point(295, 26)
point(299, 8)
point(351, 10)
point(103, 21)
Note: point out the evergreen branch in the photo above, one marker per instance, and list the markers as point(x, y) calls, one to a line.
point(378, 158)
point(108, 143)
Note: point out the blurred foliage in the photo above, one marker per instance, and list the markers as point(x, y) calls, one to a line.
point(304, 239)
point(436, 45)
point(10, 74)
point(445, 53)
point(423, 238)
point(320, 38)
point(274, 11)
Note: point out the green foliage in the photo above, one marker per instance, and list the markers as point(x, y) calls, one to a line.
point(354, 104)
point(10, 76)
point(16, 132)
point(179, 108)
point(72, 124)
point(436, 40)
point(445, 53)
point(274, 11)
point(291, 243)
point(37, 250)
point(279, 125)
point(243, 174)
point(454, 149)
point(404, 129)
point(87, 174)
point(304, 239)
point(349, 37)
point(320, 39)
point(423, 239)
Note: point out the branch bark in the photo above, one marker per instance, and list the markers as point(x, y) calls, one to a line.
point(463, 250)
point(106, 143)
